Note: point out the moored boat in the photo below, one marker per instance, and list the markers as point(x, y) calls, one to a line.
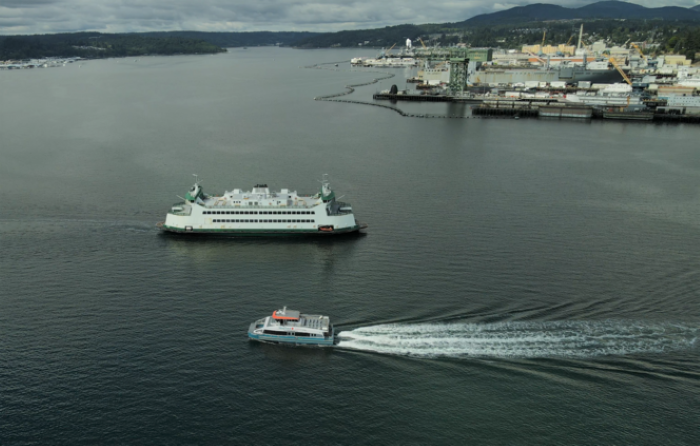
point(291, 327)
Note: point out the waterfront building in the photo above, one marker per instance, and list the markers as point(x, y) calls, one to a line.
point(549, 49)
point(676, 59)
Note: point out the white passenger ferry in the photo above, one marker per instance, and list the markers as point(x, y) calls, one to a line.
point(291, 327)
point(261, 212)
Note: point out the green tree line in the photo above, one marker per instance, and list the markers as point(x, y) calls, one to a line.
point(96, 45)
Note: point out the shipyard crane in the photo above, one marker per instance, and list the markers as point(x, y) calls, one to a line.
point(624, 76)
point(386, 53)
point(544, 34)
point(640, 51)
point(537, 57)
point(619, 69)
point(570, 39)
point(421, 42)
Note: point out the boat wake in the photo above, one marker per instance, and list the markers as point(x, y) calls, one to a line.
point(522, 339)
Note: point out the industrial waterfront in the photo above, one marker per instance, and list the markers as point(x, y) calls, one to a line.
point(520, 282)
point(584, 81)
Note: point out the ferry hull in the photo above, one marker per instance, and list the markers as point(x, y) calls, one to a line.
point(262, 232)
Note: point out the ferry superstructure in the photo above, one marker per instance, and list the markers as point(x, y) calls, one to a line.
point(261, 212)
point(291, 327)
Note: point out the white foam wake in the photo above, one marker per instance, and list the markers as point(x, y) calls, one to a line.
point(522, 339)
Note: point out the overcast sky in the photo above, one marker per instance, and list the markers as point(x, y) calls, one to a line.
point(51, 16)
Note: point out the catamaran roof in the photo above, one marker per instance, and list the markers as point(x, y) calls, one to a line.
point(287, 315)
point(291, 319)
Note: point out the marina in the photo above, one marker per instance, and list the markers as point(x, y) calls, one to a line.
point(26, 64)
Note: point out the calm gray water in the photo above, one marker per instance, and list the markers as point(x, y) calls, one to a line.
point(521, 282)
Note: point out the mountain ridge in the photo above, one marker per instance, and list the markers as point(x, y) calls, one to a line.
point(611, 9)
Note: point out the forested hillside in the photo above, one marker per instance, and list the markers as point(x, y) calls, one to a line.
point(96, 45)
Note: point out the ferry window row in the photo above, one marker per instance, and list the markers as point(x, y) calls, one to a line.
point(288, 333)
point(260, 221)
point(259, 212)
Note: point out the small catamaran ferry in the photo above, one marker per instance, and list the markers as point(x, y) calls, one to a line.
point(291, 327)
point(261, 212)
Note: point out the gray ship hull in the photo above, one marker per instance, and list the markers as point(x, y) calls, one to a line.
point(522, 75)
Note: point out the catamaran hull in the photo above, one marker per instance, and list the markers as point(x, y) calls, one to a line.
point(292, 340)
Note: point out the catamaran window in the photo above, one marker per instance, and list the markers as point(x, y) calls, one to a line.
point(299, 333)
point(275, 332)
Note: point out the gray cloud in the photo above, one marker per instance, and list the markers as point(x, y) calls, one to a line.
point(48, 16)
